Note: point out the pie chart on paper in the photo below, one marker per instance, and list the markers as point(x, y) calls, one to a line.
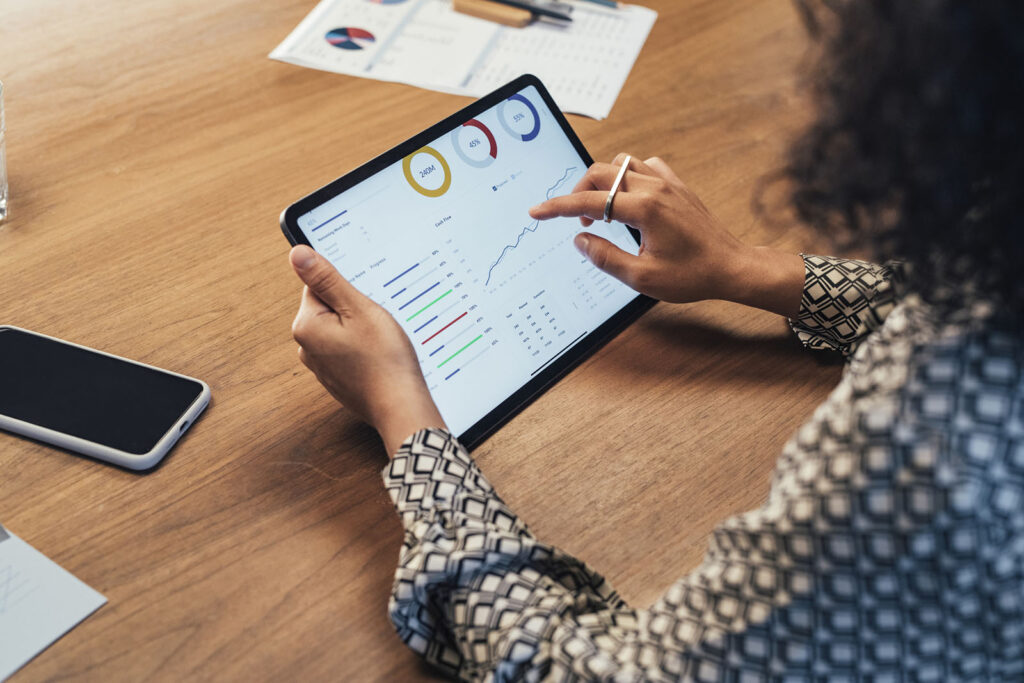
point(350, 38)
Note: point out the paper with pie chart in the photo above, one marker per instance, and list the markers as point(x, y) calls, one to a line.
point(414, 40)
point(443, 241)
point(428, 44)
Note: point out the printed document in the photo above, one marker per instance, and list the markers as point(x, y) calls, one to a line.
point(39, 602)
point(428, 44)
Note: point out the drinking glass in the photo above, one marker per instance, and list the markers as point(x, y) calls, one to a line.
point(3, 160)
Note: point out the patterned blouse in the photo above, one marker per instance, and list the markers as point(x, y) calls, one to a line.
point(890, 548)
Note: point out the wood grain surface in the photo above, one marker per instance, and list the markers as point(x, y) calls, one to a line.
point(151, 147)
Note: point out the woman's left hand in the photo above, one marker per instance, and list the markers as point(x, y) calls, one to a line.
point(359, 353)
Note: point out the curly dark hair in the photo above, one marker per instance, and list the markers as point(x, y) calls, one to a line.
point(915, 151)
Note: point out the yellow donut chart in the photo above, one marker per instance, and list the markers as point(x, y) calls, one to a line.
point(407, 169)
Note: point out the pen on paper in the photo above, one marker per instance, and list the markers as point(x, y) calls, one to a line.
point(539, 9)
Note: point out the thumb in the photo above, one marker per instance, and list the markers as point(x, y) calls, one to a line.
point(321, 277)
point(608, 257)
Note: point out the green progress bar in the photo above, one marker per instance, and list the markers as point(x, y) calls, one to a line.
point(428, 305)
point(461, 350)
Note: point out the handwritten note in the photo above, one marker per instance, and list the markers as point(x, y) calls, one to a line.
point(39, 602)
point(428, 44)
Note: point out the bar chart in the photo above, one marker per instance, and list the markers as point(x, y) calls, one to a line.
point(430, 301)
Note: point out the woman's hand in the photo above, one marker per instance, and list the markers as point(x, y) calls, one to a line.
point(686, 254)
point(359, 353)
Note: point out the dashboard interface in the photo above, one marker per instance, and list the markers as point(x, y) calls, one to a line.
point(443, 241)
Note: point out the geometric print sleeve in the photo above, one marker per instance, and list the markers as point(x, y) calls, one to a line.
point(475, 593)
point(843, 301)
point(890, 547)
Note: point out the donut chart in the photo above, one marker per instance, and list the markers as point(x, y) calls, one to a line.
point(511, 117)
point(416, 168)
point(469, 140)
point(350, 38)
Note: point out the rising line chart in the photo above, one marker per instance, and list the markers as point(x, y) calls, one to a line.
point(532, 227)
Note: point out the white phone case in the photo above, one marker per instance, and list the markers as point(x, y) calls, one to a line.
point(100, 451)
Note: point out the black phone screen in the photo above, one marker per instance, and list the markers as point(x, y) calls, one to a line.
point(87, 394)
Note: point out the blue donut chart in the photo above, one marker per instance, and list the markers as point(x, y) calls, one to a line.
point(508, 128)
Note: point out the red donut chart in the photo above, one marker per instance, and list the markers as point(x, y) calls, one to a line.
point(492, 152)
point(490, 136)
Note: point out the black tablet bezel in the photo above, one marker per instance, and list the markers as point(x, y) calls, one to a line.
point(572, 357)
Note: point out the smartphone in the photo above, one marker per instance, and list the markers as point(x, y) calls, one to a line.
point(93, 403)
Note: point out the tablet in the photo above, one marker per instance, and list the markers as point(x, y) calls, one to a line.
point(498, 306)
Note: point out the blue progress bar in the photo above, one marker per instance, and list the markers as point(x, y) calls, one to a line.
point(419, 295)
point(329, 220)
point(400, 275)
point(424, 325)
point(398, 292)
point(437, 349)
point(453, 374)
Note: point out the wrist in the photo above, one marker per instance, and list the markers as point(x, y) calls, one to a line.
point(402, 414)
point(767, 278)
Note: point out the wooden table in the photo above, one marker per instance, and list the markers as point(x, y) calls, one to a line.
point(151, 147)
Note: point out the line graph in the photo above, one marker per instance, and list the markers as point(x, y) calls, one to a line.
point(532, 227)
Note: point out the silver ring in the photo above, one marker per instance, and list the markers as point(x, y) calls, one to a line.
point(615, 188)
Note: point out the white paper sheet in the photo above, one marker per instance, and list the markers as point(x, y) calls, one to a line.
point(39, 602)
point(428, 44)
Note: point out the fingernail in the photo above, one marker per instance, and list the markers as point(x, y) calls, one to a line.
point(582, 243)
point(305, 258)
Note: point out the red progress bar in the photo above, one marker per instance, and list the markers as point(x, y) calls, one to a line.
point(444, 328)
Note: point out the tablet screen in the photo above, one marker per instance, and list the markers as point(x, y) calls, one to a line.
point(441, 238)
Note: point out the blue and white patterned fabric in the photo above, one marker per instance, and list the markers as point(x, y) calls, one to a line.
point(891, 546)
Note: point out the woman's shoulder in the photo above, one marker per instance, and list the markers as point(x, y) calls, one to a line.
point(925, 430)
point(932, 356)
point(943, 393)
point(963, 369)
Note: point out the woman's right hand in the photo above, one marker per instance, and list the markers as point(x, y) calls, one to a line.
point(685, 254)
